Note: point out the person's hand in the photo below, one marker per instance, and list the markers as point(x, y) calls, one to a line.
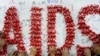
point(87, 52)
point(1, 34)
point(65, 52)
point(52, 50)
point(96, 49)
point(2, 43)
point(13, 53)
point(33, 51)
point(21, 53)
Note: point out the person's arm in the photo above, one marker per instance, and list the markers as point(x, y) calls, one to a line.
point(65, 52)
point(52, 50)
point(87, 52)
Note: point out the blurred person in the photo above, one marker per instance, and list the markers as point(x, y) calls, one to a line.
point(95, 50)
point(33, 51)
point(2, 41)
point(64, 51)
point(17, 53)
